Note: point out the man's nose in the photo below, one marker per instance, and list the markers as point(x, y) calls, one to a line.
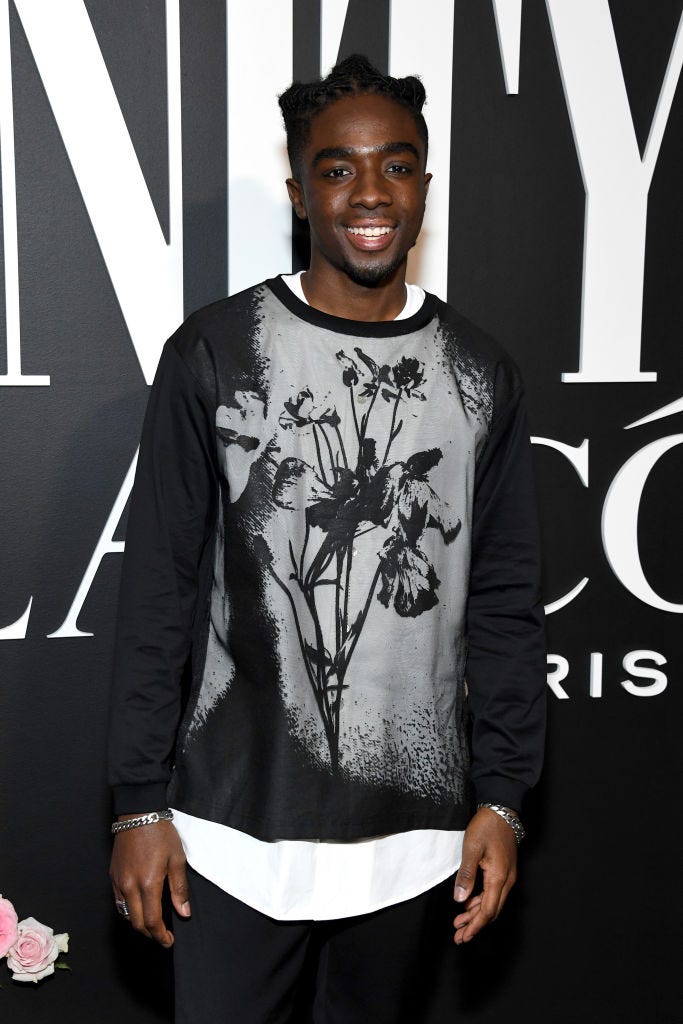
point(370, 188)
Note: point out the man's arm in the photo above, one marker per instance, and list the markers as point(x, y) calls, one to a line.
point(170, 525)
point(506, 663)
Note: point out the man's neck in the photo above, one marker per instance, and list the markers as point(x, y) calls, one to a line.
point(338, 295)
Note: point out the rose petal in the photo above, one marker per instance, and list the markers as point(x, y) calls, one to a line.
point(50, 969)
point(9, 922)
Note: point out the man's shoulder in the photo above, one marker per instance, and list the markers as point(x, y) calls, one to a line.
point(231, 314)
point(470, 335)
point(475, 347)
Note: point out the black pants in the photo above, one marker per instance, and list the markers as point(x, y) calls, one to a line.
point(234, 965)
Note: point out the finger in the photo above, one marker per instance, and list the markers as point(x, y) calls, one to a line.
point(462, 920)
point(465, 931)
point(510, 881)
point(491, 895)
point(153, 922)
point(119, 901)
point(474, 919)
point(136, 915)
point(465, 878)
point(180, 889)
point(469, 909)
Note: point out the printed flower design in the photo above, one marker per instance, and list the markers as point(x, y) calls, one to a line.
point(240, 430)
point(344, 500)
point(407, 375)
point(407, 574)
point(369, 374)
point(302, 412)
point(409, 577)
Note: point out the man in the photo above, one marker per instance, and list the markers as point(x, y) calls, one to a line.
point(332, 537)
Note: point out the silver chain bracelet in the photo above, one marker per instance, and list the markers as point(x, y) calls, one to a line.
point(143, 819)
point(510, 817)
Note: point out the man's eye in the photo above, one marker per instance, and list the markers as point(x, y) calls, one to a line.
point(336, 172)
point(399, 169)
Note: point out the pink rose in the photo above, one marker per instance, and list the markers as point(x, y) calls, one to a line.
point(35, 950)
point(8, 926)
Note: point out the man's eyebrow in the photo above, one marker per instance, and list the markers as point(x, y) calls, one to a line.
point(345, 152)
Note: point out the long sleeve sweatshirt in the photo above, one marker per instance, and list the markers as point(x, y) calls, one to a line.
point(330, 622)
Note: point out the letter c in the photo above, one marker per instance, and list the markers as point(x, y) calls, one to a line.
point(620, 522)
point(578, 457)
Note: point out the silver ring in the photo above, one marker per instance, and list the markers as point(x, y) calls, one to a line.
point(122, 908)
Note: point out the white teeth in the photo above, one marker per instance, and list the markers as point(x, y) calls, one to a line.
point(370, 232)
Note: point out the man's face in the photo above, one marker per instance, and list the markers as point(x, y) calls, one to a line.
point(363, 188)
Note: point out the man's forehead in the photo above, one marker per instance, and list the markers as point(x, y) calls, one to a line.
point(369, 122)
point(349, 152)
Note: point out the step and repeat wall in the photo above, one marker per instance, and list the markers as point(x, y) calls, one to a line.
point(142, 171)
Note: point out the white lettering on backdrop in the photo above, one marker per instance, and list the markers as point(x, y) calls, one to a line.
point(620, 522)
point(14, 377)
point(259, 215)
point(106, 545)
point(145, 270)
point(577, 456)
point(558, 671)
point(509, 28)
point(424, 45)
point(616, 180)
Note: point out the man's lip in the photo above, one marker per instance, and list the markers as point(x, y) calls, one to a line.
point(370, 243)
point(371, 224)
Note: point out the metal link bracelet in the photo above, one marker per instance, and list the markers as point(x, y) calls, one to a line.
point(143, 819)
point(510, 817)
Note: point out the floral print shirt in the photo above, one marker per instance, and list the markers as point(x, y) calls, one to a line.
point(330, 622)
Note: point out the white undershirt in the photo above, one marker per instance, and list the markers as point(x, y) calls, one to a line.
point(315, 879)
point(415, 295)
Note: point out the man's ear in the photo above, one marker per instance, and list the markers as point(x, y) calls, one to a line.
point(296, 198)
point(428, 178)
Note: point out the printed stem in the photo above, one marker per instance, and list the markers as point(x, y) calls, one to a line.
point(347, 587)
point(308, 593)
point(309, 597)
point(337, 605)
point(331, 453)
point(318, 567)
point(319, 453)
point(393, 424)
point(341, 675)
point(341, 447)
point(355, 415)
point(303, 550)
point(369, 529)
point(294, 565)
point(366, 417)
point(364, 614)
point(319, 694)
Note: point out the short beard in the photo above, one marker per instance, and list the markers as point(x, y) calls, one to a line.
point(372, 277)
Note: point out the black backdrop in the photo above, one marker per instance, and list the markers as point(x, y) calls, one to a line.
point(591, 932)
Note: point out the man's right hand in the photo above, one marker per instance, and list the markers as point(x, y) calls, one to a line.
point(141, 860)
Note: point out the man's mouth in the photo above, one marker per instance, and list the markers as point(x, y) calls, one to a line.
point(371, 237)
point(370, 232)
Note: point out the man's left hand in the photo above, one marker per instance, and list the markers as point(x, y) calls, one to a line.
point(489, 844)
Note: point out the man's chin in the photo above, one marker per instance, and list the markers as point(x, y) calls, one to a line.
point(373, 275)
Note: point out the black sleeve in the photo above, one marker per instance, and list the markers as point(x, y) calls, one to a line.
point(506, 667)
point(171, 520)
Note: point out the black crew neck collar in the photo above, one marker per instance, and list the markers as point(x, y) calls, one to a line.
point(355, 328)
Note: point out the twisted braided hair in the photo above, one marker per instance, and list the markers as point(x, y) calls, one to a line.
point(350, 77)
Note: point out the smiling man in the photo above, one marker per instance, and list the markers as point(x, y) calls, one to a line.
point(332, 540)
